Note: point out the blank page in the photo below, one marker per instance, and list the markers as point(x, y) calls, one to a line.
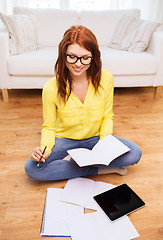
point(55, 214)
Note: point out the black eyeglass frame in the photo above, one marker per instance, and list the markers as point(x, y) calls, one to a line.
point(78, 58)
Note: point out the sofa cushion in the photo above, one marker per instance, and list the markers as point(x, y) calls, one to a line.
point(104, 23)
point(121, 62)
point(21, 31)
point(50, 24)
point(41, 62)
point(36, 63)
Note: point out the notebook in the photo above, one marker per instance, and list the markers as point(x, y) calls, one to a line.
point(56, 213)
point(105, 151)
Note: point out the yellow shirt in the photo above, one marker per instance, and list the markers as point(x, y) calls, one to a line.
point(77, 120)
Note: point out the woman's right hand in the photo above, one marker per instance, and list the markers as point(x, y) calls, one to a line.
point(37, 153)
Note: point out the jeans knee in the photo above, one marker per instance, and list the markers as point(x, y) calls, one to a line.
point(28, 168)
point(138, 154)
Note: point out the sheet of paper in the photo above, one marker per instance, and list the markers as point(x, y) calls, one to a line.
point(103, 152)
point(56, 212)
point(97, 226)
point(80, 191)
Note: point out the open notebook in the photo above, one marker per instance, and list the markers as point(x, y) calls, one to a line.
point(105, 151)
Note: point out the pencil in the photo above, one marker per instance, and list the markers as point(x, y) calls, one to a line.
point(38, 164)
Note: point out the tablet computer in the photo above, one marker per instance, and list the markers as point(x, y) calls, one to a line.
point(119, 201)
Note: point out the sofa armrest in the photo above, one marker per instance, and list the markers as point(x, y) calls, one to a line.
point(5, 82)
point(156, 48)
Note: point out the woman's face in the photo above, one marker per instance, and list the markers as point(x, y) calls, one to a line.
point(78, 69)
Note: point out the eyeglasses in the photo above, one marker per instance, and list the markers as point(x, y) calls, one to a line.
point(85, 60)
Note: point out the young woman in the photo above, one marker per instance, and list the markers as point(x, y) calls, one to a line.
point(77, 112)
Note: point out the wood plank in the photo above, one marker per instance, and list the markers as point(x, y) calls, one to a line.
point(138, 117)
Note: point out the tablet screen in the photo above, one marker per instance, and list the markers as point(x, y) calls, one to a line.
point(119, 201)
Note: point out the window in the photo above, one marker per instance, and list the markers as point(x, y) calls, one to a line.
point(71, 4)
point(44, 3)
point(89, 4)
point(148, 10)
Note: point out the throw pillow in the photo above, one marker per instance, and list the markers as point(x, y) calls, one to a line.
point(22, 33)
point(133, 34)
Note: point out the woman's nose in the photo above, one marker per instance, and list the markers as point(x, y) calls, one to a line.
point(78, 63)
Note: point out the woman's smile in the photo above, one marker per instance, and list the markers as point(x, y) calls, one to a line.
point(76, 69)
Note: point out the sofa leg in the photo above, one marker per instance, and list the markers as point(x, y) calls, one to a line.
point(5, 96)
point(158, 91)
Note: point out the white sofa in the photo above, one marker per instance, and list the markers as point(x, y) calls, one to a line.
point(32, 69)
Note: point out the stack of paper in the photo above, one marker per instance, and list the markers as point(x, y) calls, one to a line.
point(80, 191)
point(64, 214)
point(96, 226)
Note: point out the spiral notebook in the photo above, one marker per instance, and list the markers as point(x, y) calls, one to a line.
point(56, 213)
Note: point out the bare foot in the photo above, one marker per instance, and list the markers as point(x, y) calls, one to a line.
point(67, 158)
point(106, 170)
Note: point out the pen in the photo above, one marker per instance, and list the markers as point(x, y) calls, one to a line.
point(38, 164)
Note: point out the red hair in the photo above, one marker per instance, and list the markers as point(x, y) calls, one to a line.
point(85, 38)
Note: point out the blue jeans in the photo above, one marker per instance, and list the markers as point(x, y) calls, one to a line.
point(55, 168)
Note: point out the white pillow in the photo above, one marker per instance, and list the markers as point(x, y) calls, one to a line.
point(22, 33)
point(50, 23)
point(133, 34)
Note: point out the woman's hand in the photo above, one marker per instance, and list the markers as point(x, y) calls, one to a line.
point(37, 153)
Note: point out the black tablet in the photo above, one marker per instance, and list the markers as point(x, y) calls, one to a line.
point(119, 201)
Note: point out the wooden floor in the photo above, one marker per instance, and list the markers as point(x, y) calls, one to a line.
point(138, 117)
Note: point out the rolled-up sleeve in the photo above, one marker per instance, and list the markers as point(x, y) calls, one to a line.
point(49, 117)
point(107, 121)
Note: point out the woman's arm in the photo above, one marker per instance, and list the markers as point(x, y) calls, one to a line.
point(107, 121)
point(49, 116)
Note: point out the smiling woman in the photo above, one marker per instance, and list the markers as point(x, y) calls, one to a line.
point(81, 42)
point(78, 67)
point(77, 111)
point(78, 41)
point(78, 63)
